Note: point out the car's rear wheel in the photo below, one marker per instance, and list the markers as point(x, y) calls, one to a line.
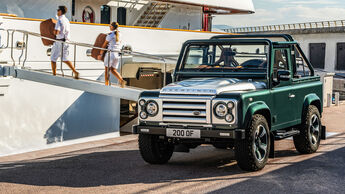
point(308, 141)
point(153, 150)
point(252, 152)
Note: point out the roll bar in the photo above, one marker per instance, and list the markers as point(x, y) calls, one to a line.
point(287, 37)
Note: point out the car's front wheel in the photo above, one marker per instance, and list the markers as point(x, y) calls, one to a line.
point(153, 150)
point(252, 152)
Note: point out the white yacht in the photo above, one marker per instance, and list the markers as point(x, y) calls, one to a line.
point(35, 116)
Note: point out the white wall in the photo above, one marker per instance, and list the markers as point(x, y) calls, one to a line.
point(151, 41)
point(182, 17)
point(331, 40)
point(94, 4)
point(132, 14)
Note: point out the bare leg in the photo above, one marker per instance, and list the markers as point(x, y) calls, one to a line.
point(106, 73)
point(118, 76)
point(69, 63)
point(54, 67)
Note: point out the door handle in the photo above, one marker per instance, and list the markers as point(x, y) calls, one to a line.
point(292, 95)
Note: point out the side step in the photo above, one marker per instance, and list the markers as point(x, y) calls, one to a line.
point(285, 134)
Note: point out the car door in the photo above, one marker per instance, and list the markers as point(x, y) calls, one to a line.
point(304, 83)
point(282, 93)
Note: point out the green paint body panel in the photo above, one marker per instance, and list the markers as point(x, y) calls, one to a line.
point(283, 111)
point(282, 102)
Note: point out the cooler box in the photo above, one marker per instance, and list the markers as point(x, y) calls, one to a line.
point(47, 28)
point(98, 43)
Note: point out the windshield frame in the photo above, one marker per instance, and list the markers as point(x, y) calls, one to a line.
point(186, 45)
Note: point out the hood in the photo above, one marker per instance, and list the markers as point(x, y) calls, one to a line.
point(211, 86)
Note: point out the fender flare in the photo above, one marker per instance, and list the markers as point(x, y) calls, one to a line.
point(255, 107)
point(311, 99)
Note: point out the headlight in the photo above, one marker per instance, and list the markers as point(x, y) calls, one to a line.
point(231, 105)
point(221, 110)
point(143, 115)
point(142, 102)
point(229, 118)
point(152, 108)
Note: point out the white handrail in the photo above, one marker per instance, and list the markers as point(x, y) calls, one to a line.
point(8, 39)
point(92, 46)
point(75, 44)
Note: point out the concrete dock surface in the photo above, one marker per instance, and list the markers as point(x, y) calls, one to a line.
point(115, 166)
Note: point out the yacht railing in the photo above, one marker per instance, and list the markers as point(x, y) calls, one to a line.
point(282, 27)
point(7, 41)
point(25, 43)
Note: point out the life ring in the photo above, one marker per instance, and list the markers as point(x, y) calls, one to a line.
point(88, 15)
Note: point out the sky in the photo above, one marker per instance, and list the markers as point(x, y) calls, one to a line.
point(269, 12)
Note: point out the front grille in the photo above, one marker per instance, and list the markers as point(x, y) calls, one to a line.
point(179, 111)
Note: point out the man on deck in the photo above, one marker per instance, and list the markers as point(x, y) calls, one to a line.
point(62, 32)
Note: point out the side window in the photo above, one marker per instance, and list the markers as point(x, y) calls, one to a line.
point(105, 14)
point(300, 67)
point(195, 58)
point(198, 55)
point(280, 62)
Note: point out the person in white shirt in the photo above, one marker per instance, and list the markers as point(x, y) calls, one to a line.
point(112, 57)
point(62, 32)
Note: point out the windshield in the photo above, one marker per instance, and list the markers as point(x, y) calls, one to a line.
point(226, 58)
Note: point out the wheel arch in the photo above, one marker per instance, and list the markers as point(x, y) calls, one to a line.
point(311, 99)
point(258, 108)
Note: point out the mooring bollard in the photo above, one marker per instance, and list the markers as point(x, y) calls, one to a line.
point(337, 97)
point(329, 100)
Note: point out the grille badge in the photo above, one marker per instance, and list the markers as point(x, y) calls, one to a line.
point(196, 113)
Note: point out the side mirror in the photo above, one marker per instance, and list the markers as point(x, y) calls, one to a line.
point(283, 75)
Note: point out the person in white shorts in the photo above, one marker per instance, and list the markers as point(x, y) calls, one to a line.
point(112, 58)
point(62, 30)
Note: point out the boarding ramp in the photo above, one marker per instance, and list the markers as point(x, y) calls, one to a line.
point(91, 86)
point(20, 71)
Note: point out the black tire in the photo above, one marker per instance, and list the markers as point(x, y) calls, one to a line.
point(153, 150)
point(308, 141)
point(249, 151)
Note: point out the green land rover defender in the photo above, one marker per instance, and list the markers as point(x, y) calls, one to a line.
point(240, 92)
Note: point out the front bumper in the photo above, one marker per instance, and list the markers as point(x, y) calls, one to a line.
point(204, 133)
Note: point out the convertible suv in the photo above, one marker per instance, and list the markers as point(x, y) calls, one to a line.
point(238, 92)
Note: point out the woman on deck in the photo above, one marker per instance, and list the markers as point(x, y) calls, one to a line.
point(111, 62)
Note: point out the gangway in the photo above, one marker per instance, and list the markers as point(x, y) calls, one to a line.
point(128, 93)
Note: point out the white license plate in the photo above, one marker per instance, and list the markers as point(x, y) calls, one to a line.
point(183, 133)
